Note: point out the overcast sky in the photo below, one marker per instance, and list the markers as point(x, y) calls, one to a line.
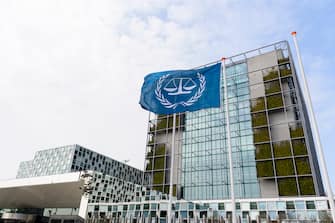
point(71, 70)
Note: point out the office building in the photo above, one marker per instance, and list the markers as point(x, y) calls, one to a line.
point(113, 181)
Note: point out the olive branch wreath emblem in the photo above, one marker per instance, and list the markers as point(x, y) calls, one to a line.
point(167, 104)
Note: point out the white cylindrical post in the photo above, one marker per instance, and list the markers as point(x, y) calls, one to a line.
point(315, 129)
point(169, 214)
point(231, 175)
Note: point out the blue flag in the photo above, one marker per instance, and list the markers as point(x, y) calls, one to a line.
point(177, 91)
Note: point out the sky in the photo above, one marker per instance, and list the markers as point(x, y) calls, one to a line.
point(71, 70)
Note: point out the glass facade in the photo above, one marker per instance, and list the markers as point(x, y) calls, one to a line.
point(205, 167)
point(152, 206)
point(113, 181)
point(272, 146)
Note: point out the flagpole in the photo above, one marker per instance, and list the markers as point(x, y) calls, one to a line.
point(231, 174)
point(316, 129)
point(169, 214)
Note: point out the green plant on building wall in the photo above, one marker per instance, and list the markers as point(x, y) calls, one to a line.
point(283, 60)
point(272, 87)
point(258, 104)
point(302, 165)
point(285, 72)
point(263, 151)
point(306, 186)
point(158, 177)
point(159, 163)
point(282, 149)
point(296, 131)
point(287, 187)
point(274, 101)
point(299, 147)
point(259, 119)
point(264, 169)
point(270, 75)
point(284, 167)
point(160, 150)
point(261, 135)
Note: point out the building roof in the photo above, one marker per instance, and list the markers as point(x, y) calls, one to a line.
point(54, 191)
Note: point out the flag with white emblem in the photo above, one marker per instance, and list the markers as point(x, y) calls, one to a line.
point(177, 91)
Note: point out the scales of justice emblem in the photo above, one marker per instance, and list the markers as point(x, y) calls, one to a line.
point(179, 86)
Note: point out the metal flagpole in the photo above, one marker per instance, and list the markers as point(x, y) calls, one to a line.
point(169, 214)
point(231, 175)
point(315, 129)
